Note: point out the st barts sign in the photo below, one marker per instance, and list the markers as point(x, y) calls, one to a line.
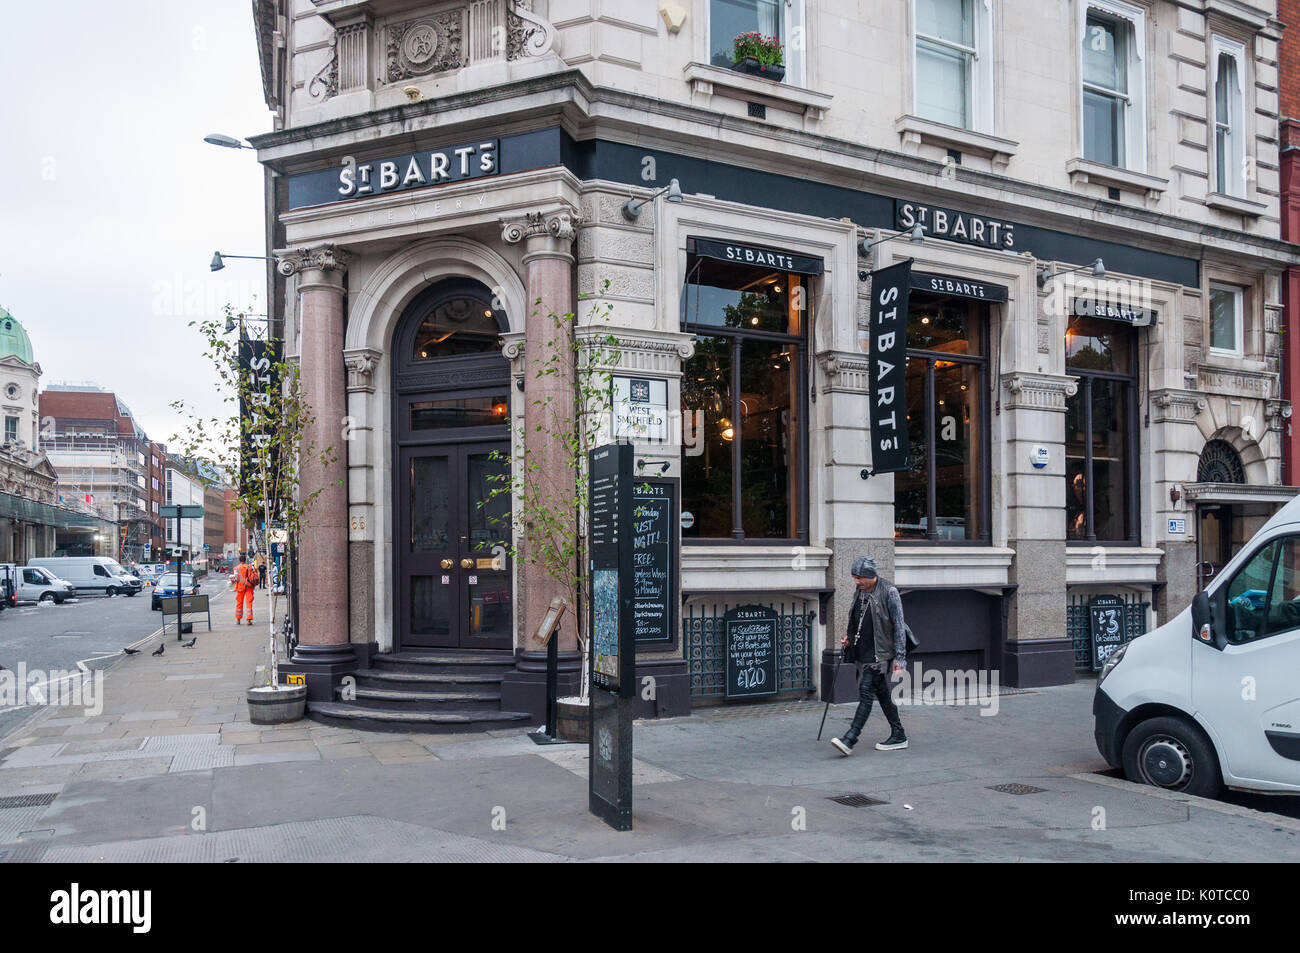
point(888, 367)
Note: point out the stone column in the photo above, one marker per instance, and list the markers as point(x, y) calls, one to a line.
point(547, 238)
point(322, 627)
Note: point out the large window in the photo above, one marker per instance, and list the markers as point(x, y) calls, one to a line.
point(953, 63)
point(1228, 119)
point(1113, 85)
point(943, 496)
point(1227, 335)
point(742, 402)
point(1100, 456)
point(729, 18)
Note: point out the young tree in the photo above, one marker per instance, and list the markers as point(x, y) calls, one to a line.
point(258, 439)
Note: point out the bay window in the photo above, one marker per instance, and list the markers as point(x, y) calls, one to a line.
point(743, 402)
point(943, 495)
point(1113, 84)
point(1100, 432)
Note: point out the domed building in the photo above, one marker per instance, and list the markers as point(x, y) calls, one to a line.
point(28, 496)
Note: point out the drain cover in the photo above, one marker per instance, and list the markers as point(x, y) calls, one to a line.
point(1015, 788)
point(856, 800)
point(27, 800)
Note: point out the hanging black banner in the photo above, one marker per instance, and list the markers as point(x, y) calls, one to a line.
point(888, 365)
point(258, 404)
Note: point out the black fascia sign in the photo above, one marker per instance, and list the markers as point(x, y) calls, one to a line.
point(888, 368)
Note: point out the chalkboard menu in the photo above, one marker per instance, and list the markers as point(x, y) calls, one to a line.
point(751, 634)
point(1106, 622)
point(654, 562)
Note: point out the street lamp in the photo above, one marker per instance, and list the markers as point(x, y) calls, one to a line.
point(218, 260)
point(227, 142)
point(632, 207)
point(1098, 268)
point(915, 235)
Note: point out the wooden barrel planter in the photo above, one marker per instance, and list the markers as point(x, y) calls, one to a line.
point(275, 705)
point(572, 720)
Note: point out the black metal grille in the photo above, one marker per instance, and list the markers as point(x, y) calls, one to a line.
point(1016, 788)
point(856, 800)
point(27, 800)
point(1077, 626)
point(706, 656)
point(1220, 463)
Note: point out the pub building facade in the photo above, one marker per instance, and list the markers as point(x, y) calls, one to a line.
point(1091, 395)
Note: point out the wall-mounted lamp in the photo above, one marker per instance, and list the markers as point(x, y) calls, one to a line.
point(632, 207)
point(225, 141)
point(218, 260)
point(1045, 275)
point(915, 235)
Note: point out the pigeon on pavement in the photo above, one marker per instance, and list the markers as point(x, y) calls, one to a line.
point(130, 651)
point(159, 650)
point(190, 643)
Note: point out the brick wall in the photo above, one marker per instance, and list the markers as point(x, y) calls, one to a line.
point(1289, 70)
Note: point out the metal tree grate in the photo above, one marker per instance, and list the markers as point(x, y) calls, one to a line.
point(1016, 788)
point(27, 800)
point(856, 800)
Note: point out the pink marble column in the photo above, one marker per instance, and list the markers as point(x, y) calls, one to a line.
point(323, 543)
point(548, 398)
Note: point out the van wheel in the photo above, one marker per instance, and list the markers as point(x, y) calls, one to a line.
point(110, 591)
point(1173, 754)
point(48, 597)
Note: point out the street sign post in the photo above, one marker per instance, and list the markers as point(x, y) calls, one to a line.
point(613, 646)
point(178, 512)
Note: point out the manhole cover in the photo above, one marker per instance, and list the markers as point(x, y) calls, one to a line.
point(27, 800)
point(856, 800)
point(1015, 788)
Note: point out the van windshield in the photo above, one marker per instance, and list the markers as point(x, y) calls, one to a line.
point(114, 568)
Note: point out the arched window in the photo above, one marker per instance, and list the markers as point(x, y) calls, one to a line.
point(1220, 463)
point(459, 321)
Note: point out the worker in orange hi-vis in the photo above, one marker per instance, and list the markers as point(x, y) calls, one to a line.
point(245, 583)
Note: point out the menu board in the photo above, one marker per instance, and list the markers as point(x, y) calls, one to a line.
point(751, 634)
point(604, 530)
point(654, 562)
point(1106, 622)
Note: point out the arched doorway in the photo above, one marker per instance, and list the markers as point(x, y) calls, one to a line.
point(451, 430)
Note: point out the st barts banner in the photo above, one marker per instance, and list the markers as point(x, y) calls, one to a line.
point(888, 367)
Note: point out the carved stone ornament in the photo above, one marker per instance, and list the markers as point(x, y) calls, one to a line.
point(361, 369)
point(430, 44)
point(319, 258)
point(527, 34)
point(1039, 392)
point(325, 83)
point(845, 371)
point(562, 225)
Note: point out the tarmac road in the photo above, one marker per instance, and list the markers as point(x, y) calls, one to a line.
point(91, 629)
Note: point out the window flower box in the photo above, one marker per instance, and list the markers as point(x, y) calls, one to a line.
point(757, 55)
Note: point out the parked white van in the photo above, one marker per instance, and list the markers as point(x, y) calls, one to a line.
point(1212, 697)
point(91, 573)
point(38, 584)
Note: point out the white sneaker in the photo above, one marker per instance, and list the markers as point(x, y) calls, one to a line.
point(843, 748)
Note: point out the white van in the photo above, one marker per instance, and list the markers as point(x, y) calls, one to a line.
point(91, 573)
point(38, 584)
point(1212, 697)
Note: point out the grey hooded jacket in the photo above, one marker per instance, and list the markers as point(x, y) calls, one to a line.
point(886, 608)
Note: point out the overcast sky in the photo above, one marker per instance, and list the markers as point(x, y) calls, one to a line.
point(111, 204)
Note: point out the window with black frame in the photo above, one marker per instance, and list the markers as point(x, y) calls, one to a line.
point(743, 402)
point(1100, 434)
point(943, 495)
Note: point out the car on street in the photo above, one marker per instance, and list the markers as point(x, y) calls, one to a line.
point(1211, 699)
point(38, 584)
point(165, 588)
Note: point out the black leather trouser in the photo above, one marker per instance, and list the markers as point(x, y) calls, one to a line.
point(873, 684)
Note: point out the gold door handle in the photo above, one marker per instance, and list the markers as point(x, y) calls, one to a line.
point(467, 564)
point(448, 564)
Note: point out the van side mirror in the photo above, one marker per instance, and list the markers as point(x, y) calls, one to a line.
point(1204, 628)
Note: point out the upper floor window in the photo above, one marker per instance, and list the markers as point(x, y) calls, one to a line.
point(781, 19)
point(1114, 86)
point(1227, 332)
point(11, 429)
point(1228, 117)
point(953, 63)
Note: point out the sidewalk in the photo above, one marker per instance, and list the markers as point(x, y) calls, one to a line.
point(172, 770)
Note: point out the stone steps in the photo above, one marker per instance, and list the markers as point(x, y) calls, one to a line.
point(378, 719)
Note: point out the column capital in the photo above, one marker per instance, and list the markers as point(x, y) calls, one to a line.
point(360, 364)
point(293, 261)
point(546, 234)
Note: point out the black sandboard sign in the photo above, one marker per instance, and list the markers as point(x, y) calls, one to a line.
point(1106, 623)
point(751, 635)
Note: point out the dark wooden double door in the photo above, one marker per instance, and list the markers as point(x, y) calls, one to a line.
point(452, 537)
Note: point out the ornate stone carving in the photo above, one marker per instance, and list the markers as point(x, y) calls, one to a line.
point(561, 224)
point(1278, 413)
point(1038, 391)
point(1177, 406)
point(361, 366)
point(527, 33)
point(845, 371)
point(640, 353)
point(326, 81)
point(319, 257)
point(432, 44)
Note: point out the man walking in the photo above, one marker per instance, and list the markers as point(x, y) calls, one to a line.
point(260, 563)
point(877, 637)
point(245, 583)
